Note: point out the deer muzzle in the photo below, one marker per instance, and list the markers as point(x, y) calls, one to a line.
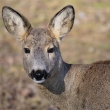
point(39, 76)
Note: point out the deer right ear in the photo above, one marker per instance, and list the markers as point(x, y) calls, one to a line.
point(16, 24)
point(62, 22)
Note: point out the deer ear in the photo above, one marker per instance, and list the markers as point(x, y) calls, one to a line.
point(62, 22)
point(15, 23)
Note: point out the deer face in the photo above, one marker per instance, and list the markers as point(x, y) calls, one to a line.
point(41, 54)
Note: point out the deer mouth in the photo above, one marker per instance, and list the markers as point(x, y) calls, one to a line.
point(39, 81)
point(38, 76)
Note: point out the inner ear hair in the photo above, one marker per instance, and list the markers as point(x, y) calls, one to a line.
point(62, 22)
point(15, 23)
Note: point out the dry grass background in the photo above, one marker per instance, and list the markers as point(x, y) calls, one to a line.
point(88, 41)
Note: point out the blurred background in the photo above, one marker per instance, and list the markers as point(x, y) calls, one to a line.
point(88, 41)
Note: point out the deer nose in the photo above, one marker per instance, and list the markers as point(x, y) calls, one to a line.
point(39, 74)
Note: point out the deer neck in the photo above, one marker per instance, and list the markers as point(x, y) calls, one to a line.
point(56, 85)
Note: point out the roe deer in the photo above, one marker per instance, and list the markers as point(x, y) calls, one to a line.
point(67, 86)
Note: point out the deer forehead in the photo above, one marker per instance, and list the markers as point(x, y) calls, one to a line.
point(39, 38)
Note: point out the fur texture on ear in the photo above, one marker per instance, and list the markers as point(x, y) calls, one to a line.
point(16, 24)
point(62, 22)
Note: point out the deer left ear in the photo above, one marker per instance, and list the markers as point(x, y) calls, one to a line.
point(16, 24)
point(62, 22)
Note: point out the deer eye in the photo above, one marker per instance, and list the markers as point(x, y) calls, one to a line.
point(26, 50)
point(50, 50)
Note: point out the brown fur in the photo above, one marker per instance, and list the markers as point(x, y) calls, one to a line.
point(87, 87)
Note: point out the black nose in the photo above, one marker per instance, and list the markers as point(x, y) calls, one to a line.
point(39, 74)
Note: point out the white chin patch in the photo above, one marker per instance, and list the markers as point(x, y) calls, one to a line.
point(41, 81)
